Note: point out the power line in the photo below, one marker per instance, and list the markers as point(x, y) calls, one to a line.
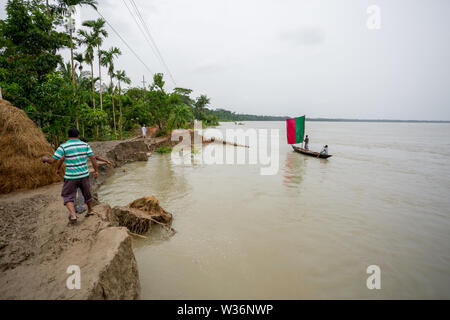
point(159, 55)
point(140, 28)
point(149, 36)
point(134, 18)
point(153, 41)
point(131, 49)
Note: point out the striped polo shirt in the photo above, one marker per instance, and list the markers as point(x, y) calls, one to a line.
point(76, 153)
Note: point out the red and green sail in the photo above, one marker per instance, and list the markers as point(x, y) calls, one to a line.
point(295, 130)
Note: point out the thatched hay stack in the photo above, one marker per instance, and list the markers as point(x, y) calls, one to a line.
point(22, 144)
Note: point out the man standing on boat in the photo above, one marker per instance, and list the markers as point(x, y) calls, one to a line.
point(307, 142)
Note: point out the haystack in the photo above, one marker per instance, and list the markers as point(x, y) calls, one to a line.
point(22, 145)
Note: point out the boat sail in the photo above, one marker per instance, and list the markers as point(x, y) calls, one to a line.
point(295, 130)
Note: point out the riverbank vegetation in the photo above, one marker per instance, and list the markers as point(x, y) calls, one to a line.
point(164, 149)
point(59, 94)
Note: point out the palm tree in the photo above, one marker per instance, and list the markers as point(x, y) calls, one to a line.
point(200, 105)
point(108, 60)
point(64, 6)
point(88, 39)
point(202, 102)
point(121, 77)
point(182, 114)
point(98, 33)
point(64, 68)
point(78, 57)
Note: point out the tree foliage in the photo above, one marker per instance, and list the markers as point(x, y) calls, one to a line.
point(29, 43)
point(59, 94)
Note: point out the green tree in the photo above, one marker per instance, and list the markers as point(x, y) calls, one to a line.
point(200, 106)
point(56, 98)
point(108, 60)
point(93, 118)
point(185, 96)
point(89, 40)
point(28, 44)
point(158, 82)
point(55, 102)
point(136, 94)
point(65, 7)
point(138, 113)
point(158, 101)
point(121, 77)
point(99, 33)
point(180, 115)
point(65, 71)
point(78, 57)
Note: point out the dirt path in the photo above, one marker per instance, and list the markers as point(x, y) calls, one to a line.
point(38, 244)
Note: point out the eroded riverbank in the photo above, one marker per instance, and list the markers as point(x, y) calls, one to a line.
point(37, 246)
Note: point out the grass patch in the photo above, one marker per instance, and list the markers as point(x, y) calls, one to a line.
point(164, 149)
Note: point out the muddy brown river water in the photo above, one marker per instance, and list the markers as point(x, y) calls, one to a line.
point(308, 231)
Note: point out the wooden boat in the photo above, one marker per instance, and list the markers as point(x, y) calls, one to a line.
point(311, 153)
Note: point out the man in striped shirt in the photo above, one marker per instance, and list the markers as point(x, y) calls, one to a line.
point(75, 153)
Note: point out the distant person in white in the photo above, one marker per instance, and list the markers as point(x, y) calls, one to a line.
point(144, 131)
point(324, 150)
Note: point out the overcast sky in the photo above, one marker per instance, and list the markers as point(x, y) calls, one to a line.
point(294, 57)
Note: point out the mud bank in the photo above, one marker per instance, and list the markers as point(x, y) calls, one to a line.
point(38, 247)
point(122, 152)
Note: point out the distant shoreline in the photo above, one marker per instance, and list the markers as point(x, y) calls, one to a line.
point(229, 116)
point(380, 120)
point(347, 120)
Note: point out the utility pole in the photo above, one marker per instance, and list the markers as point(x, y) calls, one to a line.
point(143, 84)
point(71, 27)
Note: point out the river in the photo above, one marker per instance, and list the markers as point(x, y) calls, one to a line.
point(310, 230)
